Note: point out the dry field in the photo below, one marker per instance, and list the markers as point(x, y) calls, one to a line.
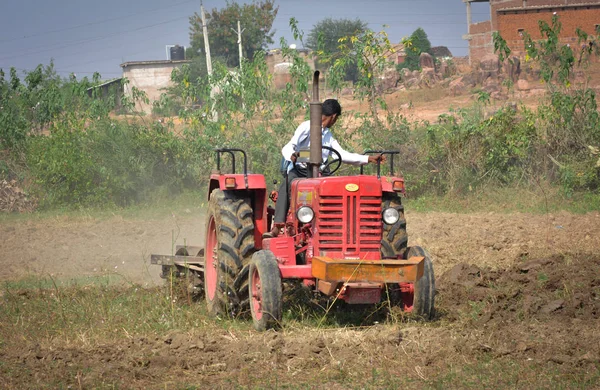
point(518, 307)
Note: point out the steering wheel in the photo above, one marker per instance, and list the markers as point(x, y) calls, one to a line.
point(337, 160)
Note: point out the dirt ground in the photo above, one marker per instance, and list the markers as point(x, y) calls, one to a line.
point(79, 247)
point(518, 306)
point(517, 295)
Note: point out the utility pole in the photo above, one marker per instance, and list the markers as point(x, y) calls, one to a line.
point(239, 33)
point(214, 115)
point(239, 41)
point(206, 44)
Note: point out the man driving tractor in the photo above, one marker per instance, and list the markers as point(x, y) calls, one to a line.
point(300, 141)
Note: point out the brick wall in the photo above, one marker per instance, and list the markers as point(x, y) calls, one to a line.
point(495, 5)
point(584, 14)
point(480, 45)
point(481, 27)
point(509, 24)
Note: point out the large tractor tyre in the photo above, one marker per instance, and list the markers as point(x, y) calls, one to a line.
point(418, 298)
point(266, 299)
point(229, 248)
point(395, 239)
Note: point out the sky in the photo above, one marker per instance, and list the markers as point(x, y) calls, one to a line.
point(87, 36)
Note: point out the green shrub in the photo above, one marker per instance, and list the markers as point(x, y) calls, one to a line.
point(110, 163)
point(64, 170)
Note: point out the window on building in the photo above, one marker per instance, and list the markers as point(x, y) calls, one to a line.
point(520, 31)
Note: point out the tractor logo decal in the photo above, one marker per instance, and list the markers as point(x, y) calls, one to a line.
point(304, 197)
point(352, 187)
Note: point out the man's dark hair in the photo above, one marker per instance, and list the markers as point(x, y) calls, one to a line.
point(331, 106)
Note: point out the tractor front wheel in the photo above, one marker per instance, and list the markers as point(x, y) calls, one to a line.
point(266, 300)
point(395, 239)
point(418, 298)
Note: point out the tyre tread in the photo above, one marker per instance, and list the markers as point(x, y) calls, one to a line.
point(235, 229)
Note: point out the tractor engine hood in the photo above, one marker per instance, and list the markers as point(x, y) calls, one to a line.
point(347, 222)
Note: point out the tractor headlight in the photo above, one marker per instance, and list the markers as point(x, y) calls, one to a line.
point(391, 216)
point(305, 214)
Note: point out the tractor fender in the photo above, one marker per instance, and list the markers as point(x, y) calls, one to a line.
point(244, 183)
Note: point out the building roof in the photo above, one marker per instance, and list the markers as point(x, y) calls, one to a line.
point(107, 82)
point(273, 52)
point(154, 62)
point(441, 51)
point(538, 7)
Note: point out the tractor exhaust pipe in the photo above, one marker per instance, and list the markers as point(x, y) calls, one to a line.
point(316, 142)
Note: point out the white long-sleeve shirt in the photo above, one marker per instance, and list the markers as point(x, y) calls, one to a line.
point(301, 140)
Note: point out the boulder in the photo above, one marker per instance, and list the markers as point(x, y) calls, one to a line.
point(426, 61)
point(490, 81)
point(532, 74)
point(470, 79)
point(523, 85)
point(428, 77)
point(491, 85)
point(498, 95)
point(388, 80)
point(444, 70)
point(536, 92)
point(405, 73)
point(411, 82)
point(457, 87)
point(485, 75)
point(490, 63)
point(512, 68)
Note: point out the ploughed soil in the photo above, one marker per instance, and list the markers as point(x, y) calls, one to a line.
point(518, 306)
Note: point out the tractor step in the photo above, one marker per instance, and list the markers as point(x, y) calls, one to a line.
point(372, 271)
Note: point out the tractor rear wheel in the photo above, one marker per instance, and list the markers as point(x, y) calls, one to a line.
point(229, 248)
point(266, 302)
point(418, 298)
point(395, 239)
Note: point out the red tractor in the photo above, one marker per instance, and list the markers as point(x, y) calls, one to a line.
point(344, 237)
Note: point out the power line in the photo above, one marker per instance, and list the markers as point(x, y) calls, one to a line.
point(148, 38)
point(91, 39)
point(395, 22)
point(57, 70)
point(408, 14)
point(94, 23)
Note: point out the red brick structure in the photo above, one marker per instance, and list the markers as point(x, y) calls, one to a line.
point(512, 17)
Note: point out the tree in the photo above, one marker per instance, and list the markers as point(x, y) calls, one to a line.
point(419, 43)
point(324, 39)
point(369, 52)
point(256, 19)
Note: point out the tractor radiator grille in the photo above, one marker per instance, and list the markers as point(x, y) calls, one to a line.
point(349, 224)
